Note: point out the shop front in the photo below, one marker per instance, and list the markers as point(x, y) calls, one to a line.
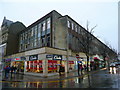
point(7, 62)
point(18, 62)
point(54, 63)
point(34, 65)
point(71, 65)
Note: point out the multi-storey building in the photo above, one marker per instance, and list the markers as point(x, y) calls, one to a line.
point(50, 41)
point(9, 37)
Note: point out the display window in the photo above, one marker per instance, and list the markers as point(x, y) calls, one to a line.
point(34, 66)
point(19, 65)
point(40, 65)
point(31, 65)
point(55, 65)
point(52, 66)
point(71, 65)
point(27, 67)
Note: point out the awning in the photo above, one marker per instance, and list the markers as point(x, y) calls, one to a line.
point(96, 58)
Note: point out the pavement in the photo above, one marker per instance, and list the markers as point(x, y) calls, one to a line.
point(30, 78)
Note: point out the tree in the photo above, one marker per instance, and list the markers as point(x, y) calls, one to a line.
point(86, 41)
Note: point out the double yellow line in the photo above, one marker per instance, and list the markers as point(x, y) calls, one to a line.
point(53, 80)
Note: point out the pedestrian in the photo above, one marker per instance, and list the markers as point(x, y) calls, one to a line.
point(61, 69)
point(81, 68)
point(78, 69)
point(7, 70)
point(12, 69)
point(85, 67)
point(91, 66)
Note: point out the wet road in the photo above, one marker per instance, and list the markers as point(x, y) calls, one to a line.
point(99, 79)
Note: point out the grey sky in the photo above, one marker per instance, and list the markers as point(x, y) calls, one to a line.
point(104, 14)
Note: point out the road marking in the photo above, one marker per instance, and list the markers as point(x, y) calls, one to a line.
point(53, 80)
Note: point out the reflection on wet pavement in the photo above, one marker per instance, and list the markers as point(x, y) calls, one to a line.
point(101, 79)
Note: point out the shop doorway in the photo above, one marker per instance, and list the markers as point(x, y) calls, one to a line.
point(19, 65)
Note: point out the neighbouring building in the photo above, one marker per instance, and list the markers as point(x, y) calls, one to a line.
point(9, 37)
point(52, 40)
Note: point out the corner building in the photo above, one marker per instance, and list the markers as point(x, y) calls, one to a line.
point(44, 45)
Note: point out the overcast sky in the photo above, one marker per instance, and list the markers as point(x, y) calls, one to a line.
point(103, 13)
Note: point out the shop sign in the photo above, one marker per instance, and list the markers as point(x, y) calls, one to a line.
point(49, 56)
point(17, 58)
point(71, 62)
point(33, 57)
point(57, 57)
point(8, 59)
point(79, 61)
point(23, 58)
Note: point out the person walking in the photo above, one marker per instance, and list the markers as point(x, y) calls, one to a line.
point(81, 68)
point(12, 70)
point(7, 70)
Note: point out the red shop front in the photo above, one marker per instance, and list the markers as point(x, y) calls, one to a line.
point(34, 66)
point(52, 66)
point(71, 65)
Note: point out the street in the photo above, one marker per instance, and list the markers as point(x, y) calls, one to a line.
point(96, 79)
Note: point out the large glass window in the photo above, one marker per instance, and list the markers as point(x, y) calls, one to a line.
point(44, 25)
point(43, 28)
point(43, 41)
point(76, 29)
point(72, 26)
point(39, 30)
point(68, 23)
point(48, 40)
point(48, 23)
point(36, 31)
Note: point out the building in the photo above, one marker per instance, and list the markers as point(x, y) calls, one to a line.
point(51, 41)
point(9, 37)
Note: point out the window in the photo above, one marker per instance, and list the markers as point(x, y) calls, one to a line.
point(32, 32)
point(43, 41)
point(48, 23)
point(76, 28)
point(36, 31)
point(48, 41)
point(68, 23)
point(35, 42)
point(39, 30)
point(44, 26)
point(72, 26)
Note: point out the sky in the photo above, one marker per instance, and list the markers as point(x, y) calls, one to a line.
point(103, 13)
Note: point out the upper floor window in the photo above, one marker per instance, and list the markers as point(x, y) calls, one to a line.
point(68, 23)
point(39, 30)
point(36, 31)
point(76, 29)
point(72, 26)
point(43, 25)
point(48, 23)
point(32, 32)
